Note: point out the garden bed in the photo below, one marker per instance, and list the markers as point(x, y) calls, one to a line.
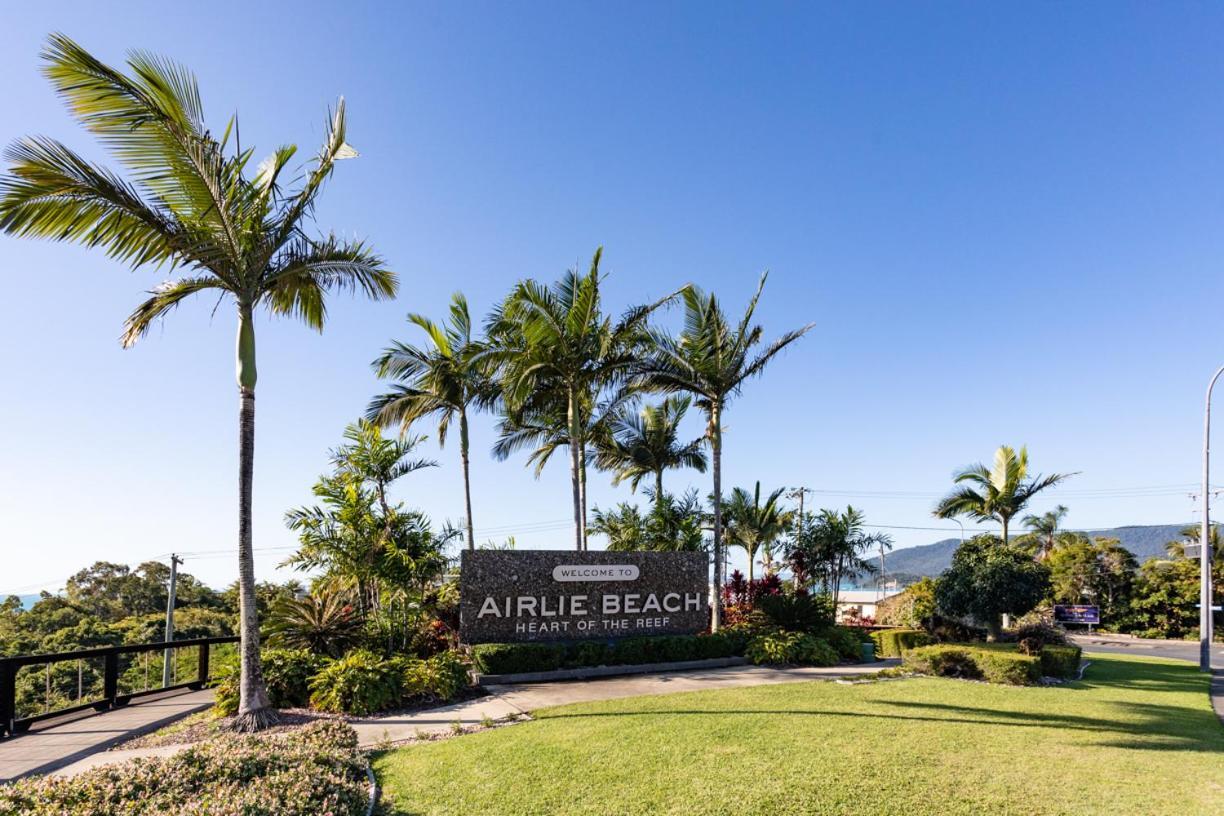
point(316, 769)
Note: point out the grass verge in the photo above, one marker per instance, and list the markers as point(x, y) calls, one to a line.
point(1136, 736)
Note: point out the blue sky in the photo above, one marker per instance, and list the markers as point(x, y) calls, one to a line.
point(1004, 221)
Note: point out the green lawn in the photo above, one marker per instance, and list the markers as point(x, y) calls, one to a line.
point(1137, 736)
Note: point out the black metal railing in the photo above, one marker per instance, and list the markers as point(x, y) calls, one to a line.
point(111, 695)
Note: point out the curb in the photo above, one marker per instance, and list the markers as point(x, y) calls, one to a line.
point(607, 671)
point(373, 780)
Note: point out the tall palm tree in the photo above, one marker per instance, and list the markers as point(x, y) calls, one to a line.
point(189, 205)
point(998, 492)
point(646, 443)
point(755, 525)
point(443, 379)
point(1045, 527)
point(710, 359)
point(557, 351)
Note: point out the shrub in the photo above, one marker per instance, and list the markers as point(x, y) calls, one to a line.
point(1008, 668)
point(1060, 661)
point(991, 665)
point(790, 648)
point(516, 658)
point(896, 642)
point(847, 643)
point(439, 678)
point(798, 612)
point(1041, 633)
point(314, 770)
point(950, 630)
point(286, 672)
point(359, 683)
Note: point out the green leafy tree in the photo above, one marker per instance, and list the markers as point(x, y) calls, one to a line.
point(1190, 541)
point(446, 378)
point(1165, 598)
point(989, 579)
point(189, 204)
point(645, 443)
point(996, 493)
point(755, 525)
point(711, 359)
point(1100, 571)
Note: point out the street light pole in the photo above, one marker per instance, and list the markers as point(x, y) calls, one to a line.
point(1205, 593)
point(962, 526)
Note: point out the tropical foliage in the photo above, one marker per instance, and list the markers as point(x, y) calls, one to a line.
point(710, 359)
point(998, 492)
point(754, 525)
point(190, 204)
point(989, 579)
point(669, 524)
point(831, 547)
point(644, 443)
point(445, 379)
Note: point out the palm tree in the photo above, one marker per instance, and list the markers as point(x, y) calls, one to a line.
point(322, 622)
point(557, 352)
point(998, 492)
point(443, 379)
point(1045, 527)
point(189, 205)
point(1192, 536)
point(645, 443)
point(753, 524)
point(710, 359)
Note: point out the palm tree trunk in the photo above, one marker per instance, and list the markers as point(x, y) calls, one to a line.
point(582, 484)
point(750, 567)
point(1005, 520)
point(254, 708)
point(575, 467)
point(659, 486)
point(716, 461)
point(467, 483)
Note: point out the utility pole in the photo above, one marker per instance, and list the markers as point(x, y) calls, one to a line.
point(1205, 589)
point(169, 655)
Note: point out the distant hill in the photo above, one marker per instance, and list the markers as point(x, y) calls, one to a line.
point(932, 559)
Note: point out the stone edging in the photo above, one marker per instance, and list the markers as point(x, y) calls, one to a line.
point(607, 671)
point(373, 780)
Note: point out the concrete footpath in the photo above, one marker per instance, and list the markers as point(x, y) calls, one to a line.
point(521, 699)
point(56, 744)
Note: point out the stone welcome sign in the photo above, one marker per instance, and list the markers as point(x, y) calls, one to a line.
point(508, 596)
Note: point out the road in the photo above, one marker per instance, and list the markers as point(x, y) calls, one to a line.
point(1176, 649)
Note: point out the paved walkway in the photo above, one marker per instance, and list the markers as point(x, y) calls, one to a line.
point(513, 700)
point(55, 744)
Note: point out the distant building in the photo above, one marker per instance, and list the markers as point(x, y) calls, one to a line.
point(861, 603)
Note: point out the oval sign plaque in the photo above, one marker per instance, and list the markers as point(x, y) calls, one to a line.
point(595, 572)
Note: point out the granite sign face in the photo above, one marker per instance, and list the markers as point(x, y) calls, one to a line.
point(508, 596)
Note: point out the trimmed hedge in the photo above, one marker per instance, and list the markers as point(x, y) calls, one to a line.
point(520, 658)
point(991, 665)
point(313, 770)
point(896, 642)
point(1060, 661)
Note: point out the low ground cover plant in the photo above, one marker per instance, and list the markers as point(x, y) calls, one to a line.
point(315, 770)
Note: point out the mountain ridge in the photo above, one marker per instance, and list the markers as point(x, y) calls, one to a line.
point(1143, 541)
